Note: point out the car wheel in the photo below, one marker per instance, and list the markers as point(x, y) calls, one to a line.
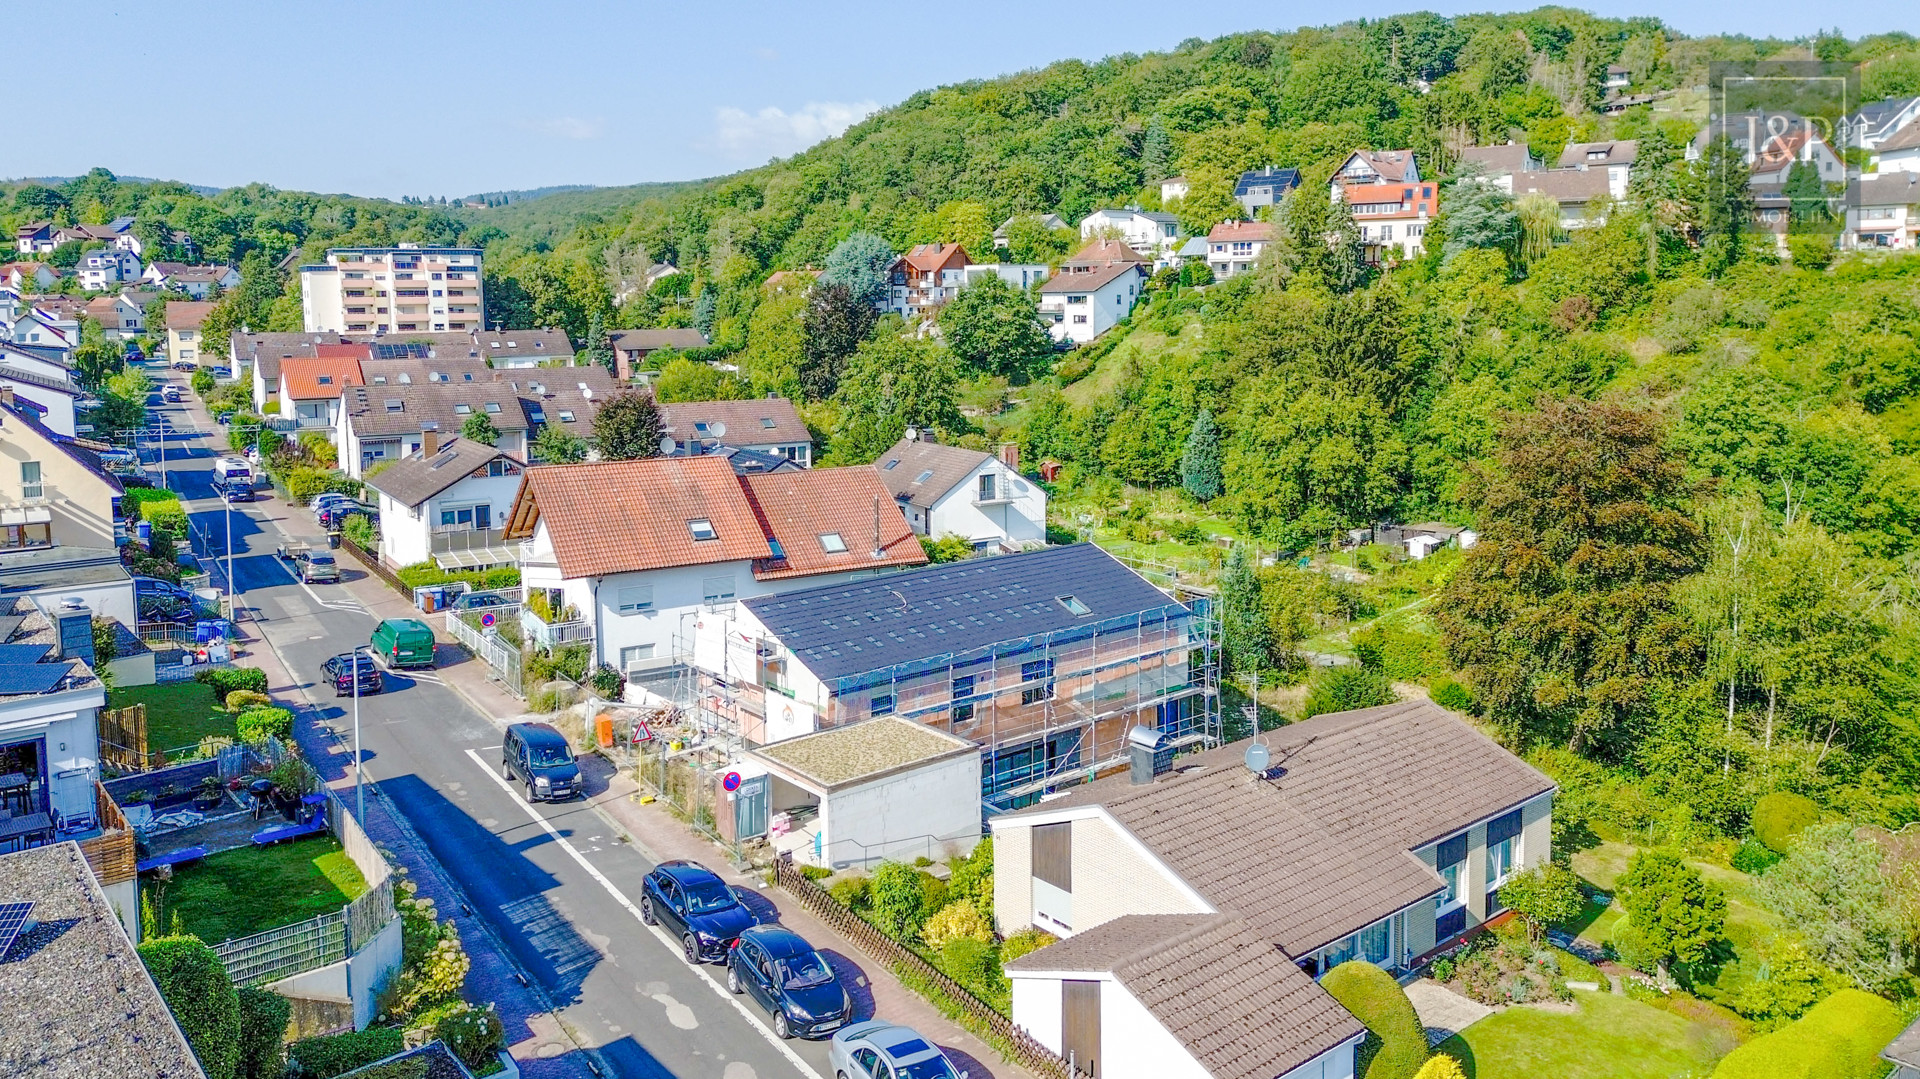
point(646, 910)
point(530, 797)
point(692, 949)
point(733, 981)
point(780, 1028)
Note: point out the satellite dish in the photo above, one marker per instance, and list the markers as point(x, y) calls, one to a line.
point(586, 393)
point(667, 445)
point(1257, 759)
point(717, 429)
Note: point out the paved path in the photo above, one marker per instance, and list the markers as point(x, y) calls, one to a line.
point(1442, 1011)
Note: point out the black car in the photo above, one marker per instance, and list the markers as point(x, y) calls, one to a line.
point(538, 755)
point(689, 901)
point(343, 668)
point(780, 970)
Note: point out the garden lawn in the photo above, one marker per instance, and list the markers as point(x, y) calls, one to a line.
point(1607, 1037)
point(178, 715)
point(241, 892)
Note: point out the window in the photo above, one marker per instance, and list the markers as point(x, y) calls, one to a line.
point(493, 407)
point(463, 410)
point(1036, 694)
point(632, 655)
point(566, 415)
point(831, 543)
point(882, 705)
point(1374, 941)
point(1074, 606)
point(1076, 299)
point(30, 485)
point(1080, 320)
point(961, 714)
point(924, 476)
point(717, 589)
point(767, 422)
point(986, 487)
point(701, 528)
point(892, 463)
point(1503, 848)
point(962, 686)
point(636, 599)
point(1036, 670)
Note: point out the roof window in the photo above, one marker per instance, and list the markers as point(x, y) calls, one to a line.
point(924, 476)
point(702, 529)
point(462, 409)
point(767, 422)
point(832, 543)
point(892, 463)
point(395, 404)
point(566, 415)
point(493, 406)
point(1074, 606)
point(326, 380)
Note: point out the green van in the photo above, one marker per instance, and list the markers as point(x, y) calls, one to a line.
point(404, 642)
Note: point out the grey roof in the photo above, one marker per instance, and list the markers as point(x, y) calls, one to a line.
point(413, 479)
point(845, 629)
point(759, 421)
point(1221, 984)
point(1321, 847)
point(1886, 189)
point(1618, 152)
point(527, 398)
point(75, 1000)
point(1499, 160)
point(1565, 185)
point(1905, 1047)
point(45, 382)
point(654, 339)
point(751, 462)
point(909, 459)
point(1906, 138)
point(1093, 280)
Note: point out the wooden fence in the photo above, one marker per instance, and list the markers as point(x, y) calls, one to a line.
point(371, 560)
point(123, 740)
point(110, 854)
point(1019, 1046)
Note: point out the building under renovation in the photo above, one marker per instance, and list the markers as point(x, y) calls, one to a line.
point(1046, 660)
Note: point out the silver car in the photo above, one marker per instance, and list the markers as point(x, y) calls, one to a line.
point(877, 1049)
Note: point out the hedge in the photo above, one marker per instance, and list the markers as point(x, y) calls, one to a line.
point(422, 574)
point(255, 724)
point(263, 1023)
point(336, 1054)
point(1401, 654)
point(1396, 1043)
point(1780, 816)
point(1840, 1038)
point(194, 983)
point(225, 680)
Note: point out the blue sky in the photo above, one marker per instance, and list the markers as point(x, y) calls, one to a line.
point(402, 98)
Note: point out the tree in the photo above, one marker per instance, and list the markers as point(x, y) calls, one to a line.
point(1244, 637)
point(1200, 459)
point(479, 428)
point(1539, 215)
point(1156, 152)
point(1030, 240)
point(1440, 1066)
point(263, 1023)
point(1396, 1043)
point(96, 359)
point(1563, 616)
point(705, 309)
point(1716, 204)
point(1830, 889)
point(599, 345)
point(627, 427)
point(1344, 688)
point(194, 983)
point(1676, 914)
point(893, 383)
point(1318, 239)
point(682, 379)
point(1807, 198)
point(1542, 896)
point(776, 344)
point(994, 328)
point(860, 264)
point(836, 323)
point(1479, 214)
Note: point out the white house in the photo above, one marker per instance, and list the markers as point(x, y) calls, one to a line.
point(1614, 158)
point(1233, 247)
point(1050, 222)
point(1021, 275)
point(49, 711)
point(950, 491)
point(1151, 233)
point(630, 553)
point(196, 281)
point(1174, 187)
point(54, 399)
point(447, 503)
point(769, 425)
point(310, 389)
point(1883, 211)
point(1771, 144)
point(1875, 123)
point(103, 268)
point(33, 326)
point(1086, 300)
point(32, 276)
point(1900, 152)
point(39, 361)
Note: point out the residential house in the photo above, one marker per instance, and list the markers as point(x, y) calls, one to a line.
point(105, 267)
point(35, 238)
point(1883, 211)
point(925, 277)
point(1376, 835)
point(449, 503)
point(1264, 187)
point(1094, 290)
point(258, 355)
point(1771, 144)
point(1044, 659)
point(50, 361)
point(511, 349)
point(119, 315)
point(184, 319)
point(1498, 164)
point(55, 492)
point(746, 462)
point(1900, 151)
point(310, 389)
point(402, 401)
point(1174, 187)
point(1582, 195)
point(1614, 158)
point(1389, 200)
point(951, 491)
point(632, 347)
point(1151, 234)
point(198, 282)
point(638, 549)
point(53, 400)
point(1233, 247)
point(1050, 222)
point(404, 289)
point(1616, 79)
point(31, 325)
point(26, 277)
point(1875, 123)
point(767, 425)
point(1020, 275)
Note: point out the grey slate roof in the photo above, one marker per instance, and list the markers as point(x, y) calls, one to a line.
point(846, 629)
point(758, 421)
point(909, 459)
point(413, 479)
point(1886, 189)
point(649, 340)
point(1905, 1047)
point(75, 1000)
point(1499, 160)
point(1321, 847)
point(1618, 152)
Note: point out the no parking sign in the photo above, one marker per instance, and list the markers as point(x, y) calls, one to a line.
point(486, 620)
point(731, 781)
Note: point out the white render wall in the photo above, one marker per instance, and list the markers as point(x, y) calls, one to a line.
point(403, 533)
point(925, 812)
point(1103, 309)
point(1023, 519)
point(406, 533)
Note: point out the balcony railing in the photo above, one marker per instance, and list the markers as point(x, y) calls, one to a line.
point(551, 635)
point(466, 539)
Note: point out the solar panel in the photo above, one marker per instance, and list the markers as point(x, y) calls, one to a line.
point(32, 677)
point(13, 918)
point(11, 654)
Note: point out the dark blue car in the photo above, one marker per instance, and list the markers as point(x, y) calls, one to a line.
point(692, 903)
point(783, 974)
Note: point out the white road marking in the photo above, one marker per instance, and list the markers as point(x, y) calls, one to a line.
point(659, 934)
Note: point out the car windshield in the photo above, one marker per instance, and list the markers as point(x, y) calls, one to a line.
point(930, 1068)
point(546, 756)
point(321, 560)
point(708, 896)
point(804, 971)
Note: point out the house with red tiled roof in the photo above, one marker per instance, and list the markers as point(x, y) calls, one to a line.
point(1233, 247)
point(925, 277)
point(1390, 201)
point(638, 549)
point(310, 387)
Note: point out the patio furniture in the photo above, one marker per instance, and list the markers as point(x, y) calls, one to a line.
point(175, 857)
point(20, 832)
point(266, 837)
point(15, 786)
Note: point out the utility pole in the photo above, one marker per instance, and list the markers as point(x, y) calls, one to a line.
point(359, 791)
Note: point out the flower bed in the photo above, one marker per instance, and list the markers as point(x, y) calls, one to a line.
point(1503, 967)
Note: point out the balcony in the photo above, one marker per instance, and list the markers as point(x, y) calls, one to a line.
point(551, 635)
point(466, 539)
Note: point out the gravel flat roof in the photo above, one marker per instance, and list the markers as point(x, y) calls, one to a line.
point(840, 756)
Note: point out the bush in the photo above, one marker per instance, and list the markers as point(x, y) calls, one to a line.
point(423, 574)
point(1344, 688)
point(1840, 1038)
point(1793, 982)
point(1396, 1044)
point(194, 983)
point(202, 381)
point(306, 483)
point(1780, 816)
point(225, 680)
point(255, 724)
point(852, 893)
point(956, 921)
point(165, 515)
point(1398, 654)
point(1025, 942)
point(1753, 856)
point(1542, 896)
point(359, 528)
point(263, 1023)
point(1450, 694)
point(974, 965)
point(336, 1054)
point(901, 899)
point(1441, 1066)
point(242, 699)
point(475, 1034)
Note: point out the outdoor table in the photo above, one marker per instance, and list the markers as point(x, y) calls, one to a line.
point(12, 785)
point(24, 828)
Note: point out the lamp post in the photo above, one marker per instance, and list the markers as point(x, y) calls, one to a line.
point(359, 793)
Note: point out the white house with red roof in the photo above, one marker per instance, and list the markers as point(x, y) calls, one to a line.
point(1390, 201)
point(925, 277)
point(1233, 247)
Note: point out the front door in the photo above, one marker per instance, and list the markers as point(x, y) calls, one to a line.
point(750, 808)
point(1080, 1026)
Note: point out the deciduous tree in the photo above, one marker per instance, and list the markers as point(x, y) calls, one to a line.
point(994, 328)
point(627, 427)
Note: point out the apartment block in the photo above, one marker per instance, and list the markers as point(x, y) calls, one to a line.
point(405, 289)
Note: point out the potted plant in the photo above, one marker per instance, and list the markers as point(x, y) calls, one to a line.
point(212, 793)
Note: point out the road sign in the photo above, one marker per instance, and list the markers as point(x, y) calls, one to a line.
point(486, 620)
point(731, 781)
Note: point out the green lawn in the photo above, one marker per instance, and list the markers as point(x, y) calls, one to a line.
point(250, 890)
point(1607, 1037)
point(1748, 923)
point(177, 715)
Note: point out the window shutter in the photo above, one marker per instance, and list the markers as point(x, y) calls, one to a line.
point(1053, 854)
point(1500, 828)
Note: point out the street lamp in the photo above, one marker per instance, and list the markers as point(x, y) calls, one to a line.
point(359, 793)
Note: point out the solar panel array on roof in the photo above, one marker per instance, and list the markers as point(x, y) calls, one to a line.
point(13, 918)
point(31, 677)
point(15, 654)
point(414, 351)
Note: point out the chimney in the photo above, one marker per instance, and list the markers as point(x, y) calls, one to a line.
point(878, 551)
point(1149, 754)
point(429, 439)
point(73, 639)
point(6, 395)
point(1010, 455)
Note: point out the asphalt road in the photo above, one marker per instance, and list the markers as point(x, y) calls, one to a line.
point(554, 882)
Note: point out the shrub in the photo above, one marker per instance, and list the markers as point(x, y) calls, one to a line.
point(815, 872)
point(1840, 1038)
point(358, 528)
point(1448, 693)
point(1441, 1066)
point(435, 979)
point(255, 724)
point(1542, 896)
point(336, 1054)
point(1396, 1043)
point(306, 483)
point(853, 893)
point(898, 899)
point(1025, 942)
point(263, 1023)
point(475, 1034)
point(202, 381)
point(1753, 856)
point(225, 680)
point(959, 920)
point(1397, 653)
point(242, 699)
point(1341, 689)
point(423, 574)
point(1780, 816)
point(194, 983)
point(1792, 983)
point(608, 682)
point(973, 964)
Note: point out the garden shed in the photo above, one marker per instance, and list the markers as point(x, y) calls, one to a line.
point(888, 788)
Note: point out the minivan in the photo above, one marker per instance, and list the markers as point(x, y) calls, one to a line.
point(538, 756)
point(404, 642)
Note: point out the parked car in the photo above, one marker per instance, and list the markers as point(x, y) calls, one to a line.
point(322, 503)
point(336, 514)
point(185, 365)
point(171, 395)
point(403, 642)
point(145, 587)
point(348, 667)
point(538, 755)
point(310, 565)
point(477, 601)
point(688, 900)
point(783, 974)
point(879, 1048)
point(223, 372)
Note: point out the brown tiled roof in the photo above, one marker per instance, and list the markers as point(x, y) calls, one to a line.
point(1566, 185)
point(797, 508)
point(187, 314)
point(1321, 846)
point(1619, 152)
point(757, 422)
point(1221, 984)
point(1906, 138)
point(1103, 251)
point(1226, 231)
point(621, 516)
point(908, 459)
point(1091, 280)
point(303, 377)
point(650, 340)
point(1392, 165)
point(413, 479)
point(928, 258)
point(781, 280)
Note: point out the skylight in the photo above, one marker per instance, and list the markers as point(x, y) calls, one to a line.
point(1074, 606)
point(924, 476)
point(832, 543)
point(493, 406)
point(767, 422)
point(566, 415)
point(463, 409)
point(702, 529)
point(892, 463)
